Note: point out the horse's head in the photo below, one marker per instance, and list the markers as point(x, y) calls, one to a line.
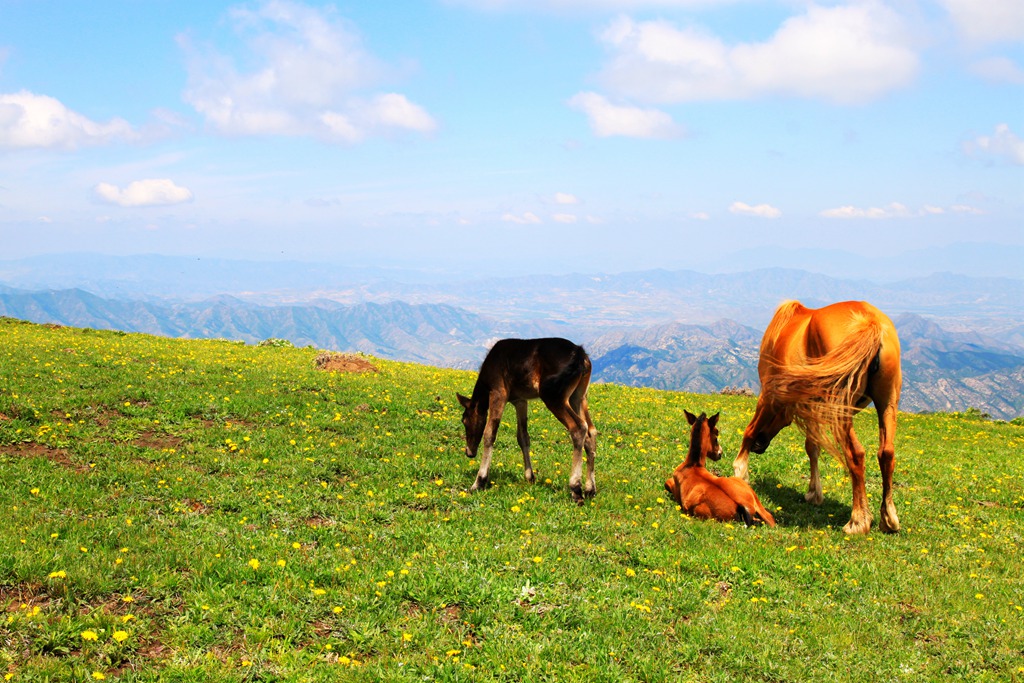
point(474, 418)
point(767, 423)
point(703, 437)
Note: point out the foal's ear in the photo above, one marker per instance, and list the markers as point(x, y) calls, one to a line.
point(690, 417)
point(463, 400)
point(713, 420)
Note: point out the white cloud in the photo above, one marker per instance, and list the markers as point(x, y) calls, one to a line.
point(700, 216)
point(607, 119)
point(564, 198)
point(760, 211)
point(1004, 145)
point(987, 21)
point(151, 192)
point(894, 210)
point(564, 218)
point(526, 219)
point(999, 70)
point(845, 54)
point(30, 120)
point(312, 79)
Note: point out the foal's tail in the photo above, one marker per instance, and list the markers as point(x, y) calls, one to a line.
point(572, 377)
point(823, 392)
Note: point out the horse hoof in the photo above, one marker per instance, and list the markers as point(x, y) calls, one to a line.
point(577, 495)
point(530, 478)
point(889, 526)
point(589, 493)
point(862, 527)
point(814, 497)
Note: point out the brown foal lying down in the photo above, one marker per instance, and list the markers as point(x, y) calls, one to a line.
point(706, 496)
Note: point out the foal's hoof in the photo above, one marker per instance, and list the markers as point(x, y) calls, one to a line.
point(479, 484)
point(815, 497)
point(589, 493)
point(577, 494)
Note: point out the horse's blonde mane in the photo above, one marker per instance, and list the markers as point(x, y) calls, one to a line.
point(783, 314)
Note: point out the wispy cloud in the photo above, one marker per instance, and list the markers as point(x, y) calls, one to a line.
point(150, 192)
point(314, 78)
point(564, 218)
point(565, 198)
point(525, 219)
point(894, 210)
point(607, 119)
point(30, 120)
point(1003, 145)
point(758, 211)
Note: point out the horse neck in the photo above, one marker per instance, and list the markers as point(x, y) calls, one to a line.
point(697, 455)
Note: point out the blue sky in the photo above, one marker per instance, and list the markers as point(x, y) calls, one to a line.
point(518, 135)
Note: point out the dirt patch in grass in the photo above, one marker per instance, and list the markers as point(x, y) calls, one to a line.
point(157, 442)
point(57, 456)
point(343, 362)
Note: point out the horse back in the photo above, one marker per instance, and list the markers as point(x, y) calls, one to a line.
point(524, 368)
point(798, 333)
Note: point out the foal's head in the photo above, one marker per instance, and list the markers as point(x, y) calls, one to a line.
point(703, 438)
point(474, 418)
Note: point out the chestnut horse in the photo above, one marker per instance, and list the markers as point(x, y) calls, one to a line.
point(819, 367)
point(700, 493)
point(555, 370)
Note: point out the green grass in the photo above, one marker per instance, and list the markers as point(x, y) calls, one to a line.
point(207, 511)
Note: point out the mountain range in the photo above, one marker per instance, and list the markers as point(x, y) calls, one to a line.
point(947, 367)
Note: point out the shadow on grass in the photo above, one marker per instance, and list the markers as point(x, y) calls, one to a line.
point(797, 512)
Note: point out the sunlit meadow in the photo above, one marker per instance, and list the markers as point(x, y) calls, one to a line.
point(209, 511)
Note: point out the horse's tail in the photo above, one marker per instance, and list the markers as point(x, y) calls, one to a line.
point(577, 366)
point(823, 392)
point(783, 314)
point(743, 515)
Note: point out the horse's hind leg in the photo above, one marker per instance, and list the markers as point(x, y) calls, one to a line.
point(889, 521)
point(590, 445)
point(523, 437)
point(814, 494)
point(860, 516)
point(577, 427)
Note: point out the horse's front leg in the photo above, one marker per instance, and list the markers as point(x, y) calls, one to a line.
point(490, 434)
point(860, 515)
point(523, 437)
point(577, 429)
point(814, 494)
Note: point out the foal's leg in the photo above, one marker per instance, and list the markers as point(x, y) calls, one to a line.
point(889, 521)
point(523, 437)
point(590, 445)
point(814, 494)
point(494, 411)
point(860, 516)
point(577, 428)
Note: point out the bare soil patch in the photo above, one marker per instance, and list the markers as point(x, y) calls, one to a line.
point(58, 456)
point(157, 442)
point(343, 362)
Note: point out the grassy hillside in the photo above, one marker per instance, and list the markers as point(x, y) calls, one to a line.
point(207, 511)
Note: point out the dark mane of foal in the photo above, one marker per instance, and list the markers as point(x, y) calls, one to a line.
point(700, 440)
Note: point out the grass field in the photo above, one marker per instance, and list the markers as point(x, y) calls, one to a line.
point(207, 511)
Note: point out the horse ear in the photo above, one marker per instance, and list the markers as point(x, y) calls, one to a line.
point(463, 400)
point(690, 417)
point(713, 420)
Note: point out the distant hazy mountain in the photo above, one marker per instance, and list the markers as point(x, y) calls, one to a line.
point(994, 305)
point(943, 370)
